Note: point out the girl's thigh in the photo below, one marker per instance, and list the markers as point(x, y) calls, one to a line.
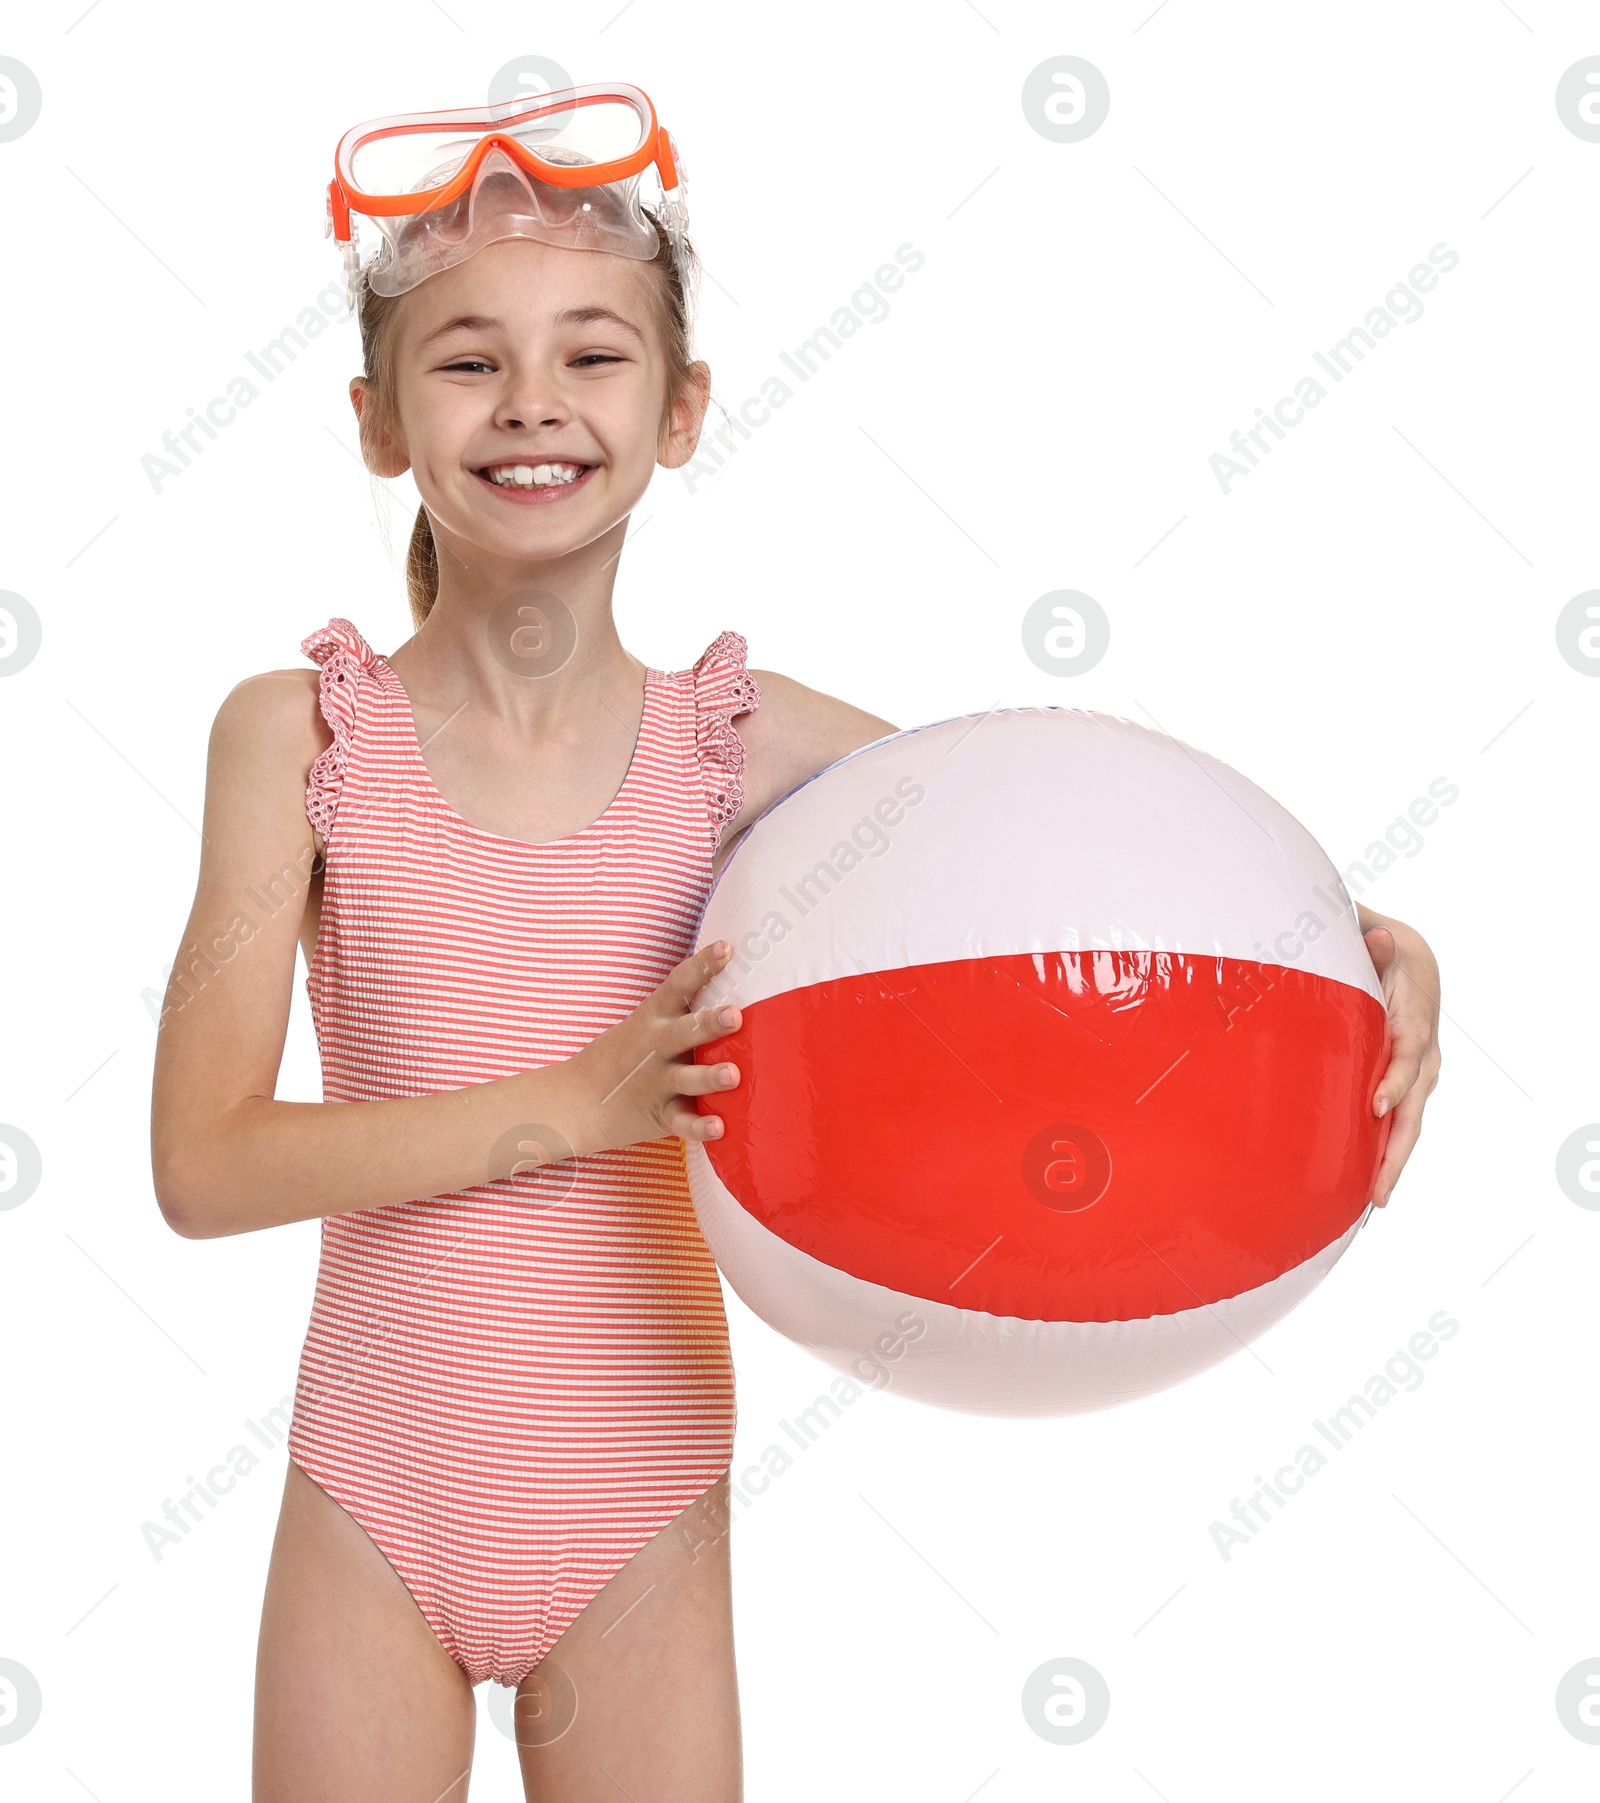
point(356, 1701)
point(639, 1697)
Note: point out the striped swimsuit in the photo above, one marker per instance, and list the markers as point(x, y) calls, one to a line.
point(514, 1387)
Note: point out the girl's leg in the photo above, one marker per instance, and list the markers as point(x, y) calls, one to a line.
point(356, 1701)
point(645, 1677)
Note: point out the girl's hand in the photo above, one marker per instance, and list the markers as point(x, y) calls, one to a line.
point(635, 1081)
point(1410, 978)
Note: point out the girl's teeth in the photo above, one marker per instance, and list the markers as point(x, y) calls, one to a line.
point(537, 475)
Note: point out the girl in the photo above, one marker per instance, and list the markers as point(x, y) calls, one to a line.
point(514, 1411)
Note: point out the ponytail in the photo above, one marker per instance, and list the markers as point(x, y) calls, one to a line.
point(422, 569)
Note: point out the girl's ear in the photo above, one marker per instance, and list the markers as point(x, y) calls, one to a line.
point(680, 432)
point(382, 451)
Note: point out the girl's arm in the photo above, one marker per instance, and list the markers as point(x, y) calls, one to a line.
point(228, 1158)
point(798, 731)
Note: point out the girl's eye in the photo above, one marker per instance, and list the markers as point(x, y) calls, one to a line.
point(594, 357)
point(468, 363)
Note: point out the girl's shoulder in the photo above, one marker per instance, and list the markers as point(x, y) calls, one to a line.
point(290, 708)
point(287, 698)
point(796, 732)
point(291, 728)
point(780, 709)
point(277, 709)
point(266, 739)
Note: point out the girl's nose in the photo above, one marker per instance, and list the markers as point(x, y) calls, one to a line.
point(522, 417)
point(530, 400)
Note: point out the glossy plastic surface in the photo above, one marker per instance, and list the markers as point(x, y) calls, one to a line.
point(1079, 1137)
point(1059, 1045)
point(561, 168)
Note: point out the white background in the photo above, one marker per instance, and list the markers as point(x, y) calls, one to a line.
point(1372, 609)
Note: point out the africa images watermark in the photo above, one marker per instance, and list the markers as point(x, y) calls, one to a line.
point(201, 959)
point(868, 305)
point(1401, 836)
point(1343, 1424)
point(868, 1370)
point(184, 1515)
point(223, 409)
point(1402, 305)
point(807, 890)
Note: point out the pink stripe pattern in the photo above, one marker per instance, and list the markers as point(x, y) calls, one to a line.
point(514, 1387)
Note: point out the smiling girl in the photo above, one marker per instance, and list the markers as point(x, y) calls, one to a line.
point(514, 1414)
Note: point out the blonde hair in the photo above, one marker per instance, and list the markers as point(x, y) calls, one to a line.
point(379, 316)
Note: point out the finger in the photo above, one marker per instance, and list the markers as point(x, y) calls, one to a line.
point(719, 984)
point(1412, 973)
point(700, 1028)
point(1407, 1045)
point(689, 976)
point(704, 1079)
point(1414, 1044)
point(684, 1119)
point(1381, 948)
point(1402, 1137)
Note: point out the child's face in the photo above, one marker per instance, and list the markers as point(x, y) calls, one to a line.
point(559, 361)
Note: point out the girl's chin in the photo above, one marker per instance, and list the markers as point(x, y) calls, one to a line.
point(538, 525)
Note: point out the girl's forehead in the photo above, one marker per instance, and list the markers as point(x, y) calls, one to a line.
point(526, 285)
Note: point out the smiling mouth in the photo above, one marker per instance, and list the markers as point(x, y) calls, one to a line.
point(526, 480)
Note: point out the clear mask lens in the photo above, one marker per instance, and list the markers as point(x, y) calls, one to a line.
point(504, 202)
point(414, 154)
point(406, 161)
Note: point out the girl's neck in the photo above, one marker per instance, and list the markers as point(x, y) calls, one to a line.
point(532, 644)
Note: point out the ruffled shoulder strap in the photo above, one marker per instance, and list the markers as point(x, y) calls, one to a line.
point(345, 658)
point(723, 687)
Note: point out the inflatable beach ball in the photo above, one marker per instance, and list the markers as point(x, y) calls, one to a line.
point(1058, 1053)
